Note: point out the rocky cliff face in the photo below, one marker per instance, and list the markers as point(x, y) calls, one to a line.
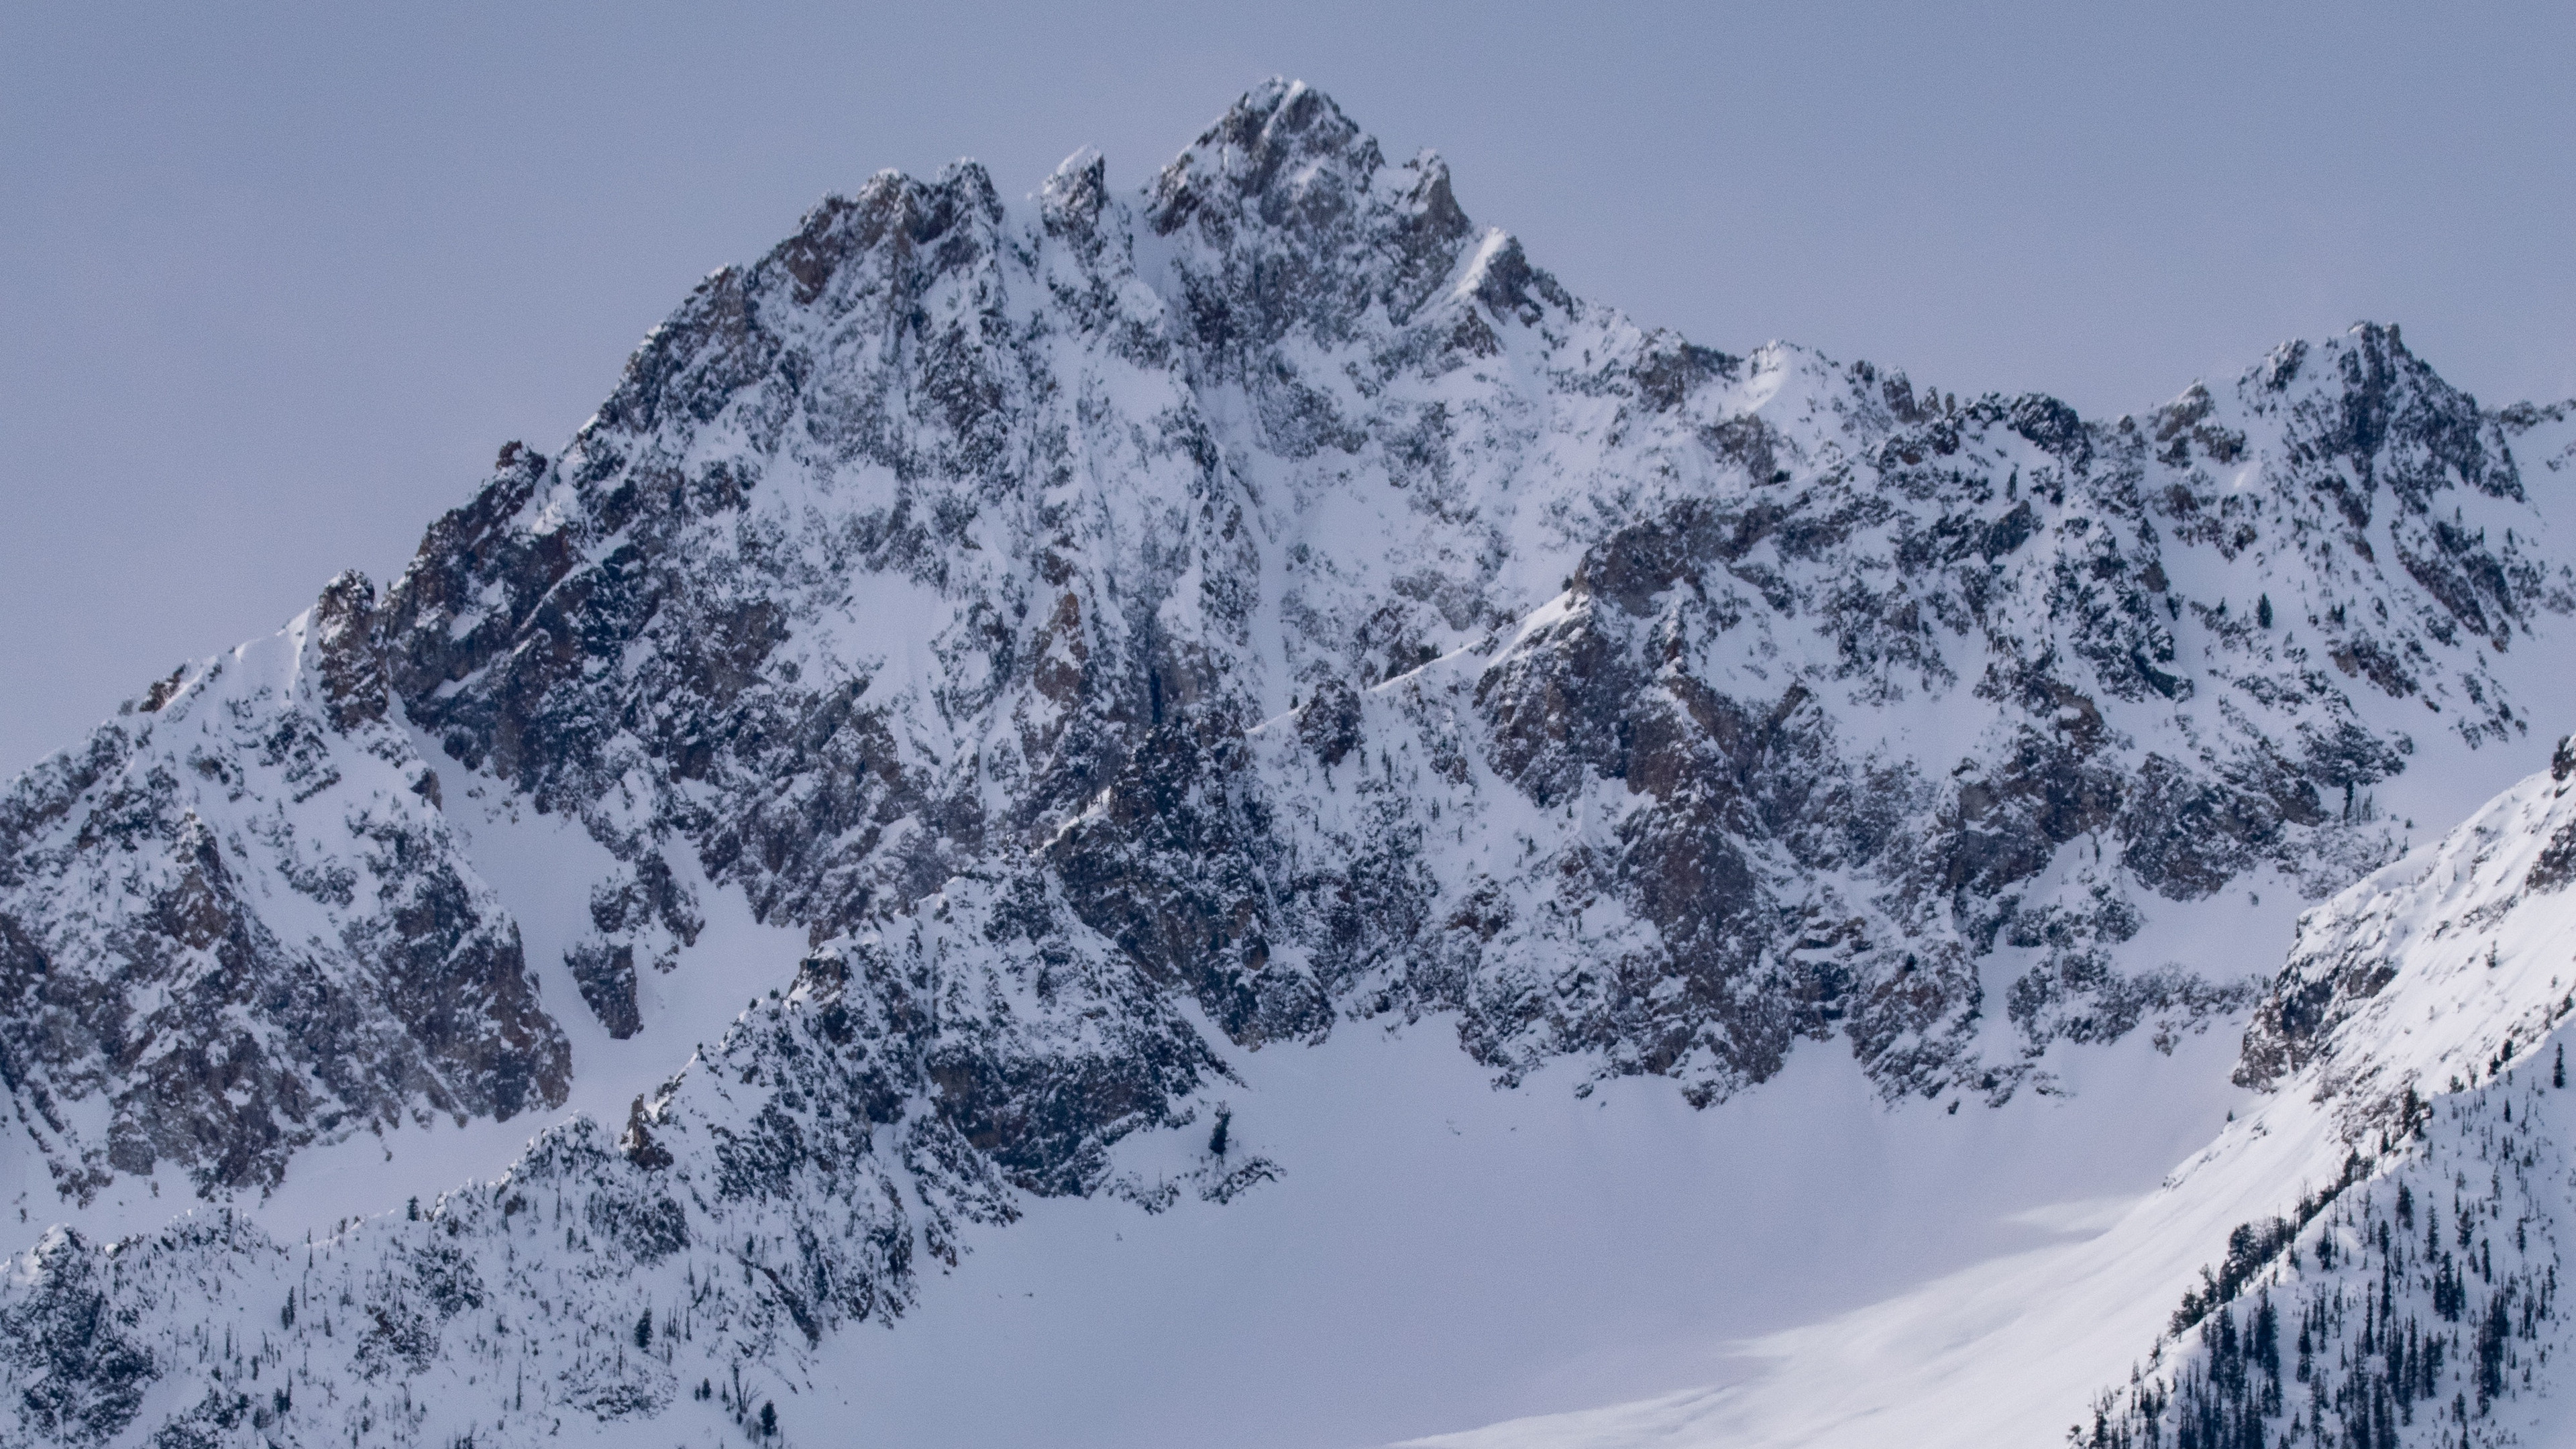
point(235, 924)
point(1260, 601)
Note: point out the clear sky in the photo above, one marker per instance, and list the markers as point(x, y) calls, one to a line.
point(276, 281)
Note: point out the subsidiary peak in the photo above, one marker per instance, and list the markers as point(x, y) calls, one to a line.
point(1272, 129)
point(1285, 155)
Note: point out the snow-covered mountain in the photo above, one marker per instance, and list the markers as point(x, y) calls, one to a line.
point(1052, 658)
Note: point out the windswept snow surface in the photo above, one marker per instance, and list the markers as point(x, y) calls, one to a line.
point(1480, 1253)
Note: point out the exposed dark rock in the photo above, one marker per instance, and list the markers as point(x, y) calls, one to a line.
point(85, 1378)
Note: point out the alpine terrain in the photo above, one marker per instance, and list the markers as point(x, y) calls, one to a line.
point(1216, 813)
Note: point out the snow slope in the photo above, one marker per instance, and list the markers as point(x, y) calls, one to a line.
point(1481, 1251)
point(2431, 1073)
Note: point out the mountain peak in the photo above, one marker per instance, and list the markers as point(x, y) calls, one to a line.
point(1279, 115)
point(1076, 190)
point(1283, 148)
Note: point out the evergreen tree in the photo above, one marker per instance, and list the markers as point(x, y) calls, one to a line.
point(2491, 1337)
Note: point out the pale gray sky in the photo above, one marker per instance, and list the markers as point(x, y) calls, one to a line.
point(275, 281)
